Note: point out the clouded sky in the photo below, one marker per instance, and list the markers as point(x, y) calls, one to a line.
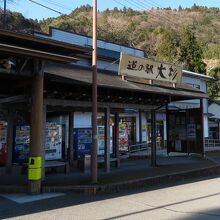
point(31, 10)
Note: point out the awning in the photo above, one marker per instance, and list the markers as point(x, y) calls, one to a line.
point(76, 74)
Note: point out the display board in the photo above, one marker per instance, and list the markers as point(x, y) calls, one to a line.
point(53, 142)
point(3, 139)
point(185, 133)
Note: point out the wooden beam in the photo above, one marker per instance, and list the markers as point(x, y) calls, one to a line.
point(117, 140)
point(140, 127)
point(36, 54)
point(9, 144)
point(153, 139)
point(70, 103)
point(44, 139)
point(36, 134)
point(14, 99)
point(71, 138)
point(107, 140)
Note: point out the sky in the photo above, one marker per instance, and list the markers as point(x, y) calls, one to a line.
point(31, 10)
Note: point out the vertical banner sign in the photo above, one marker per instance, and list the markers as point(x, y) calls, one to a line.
point(149, 69)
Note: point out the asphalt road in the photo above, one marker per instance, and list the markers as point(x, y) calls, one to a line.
point(196, 200)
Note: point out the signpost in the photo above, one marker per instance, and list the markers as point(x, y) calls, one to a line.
point(149, 69)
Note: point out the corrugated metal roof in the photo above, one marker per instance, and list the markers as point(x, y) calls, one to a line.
point(114, 81)
point(198, 75)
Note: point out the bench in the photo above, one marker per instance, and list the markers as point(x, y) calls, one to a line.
point(112, 159)
point(56, 164)
point(51, 164)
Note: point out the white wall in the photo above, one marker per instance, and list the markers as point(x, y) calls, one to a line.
point(80, 40)
point(82, 120)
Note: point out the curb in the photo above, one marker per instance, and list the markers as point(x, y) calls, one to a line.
point(135, 184)
point(120, 186)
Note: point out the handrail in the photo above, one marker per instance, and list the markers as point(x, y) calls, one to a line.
point(214, 143)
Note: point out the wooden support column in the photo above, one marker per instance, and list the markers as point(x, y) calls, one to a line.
point(140, 128)
point(107, 140)
point(117, 140)
point(36, 135)
point(202, 128)
point(71, 138)
point(153, 138)
point(44, 139)
point(9, 143)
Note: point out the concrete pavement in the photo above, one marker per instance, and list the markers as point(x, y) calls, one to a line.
point(199, 199)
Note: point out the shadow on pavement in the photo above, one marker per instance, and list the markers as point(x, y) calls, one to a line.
point(9, 209)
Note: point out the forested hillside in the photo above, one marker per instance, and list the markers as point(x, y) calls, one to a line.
point(164, 34)
point(17, 22)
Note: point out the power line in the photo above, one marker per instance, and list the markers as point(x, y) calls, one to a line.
point(155, 4)
point(58, 4)
point(143, 7)
point(165, 15)
point(44, 6)
point(119, 3)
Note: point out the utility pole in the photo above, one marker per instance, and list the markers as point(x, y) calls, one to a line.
point(94, 96)
point(4, 24)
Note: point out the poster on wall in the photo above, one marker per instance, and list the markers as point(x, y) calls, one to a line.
point(53, 142)
point(3, 139)
point(123, 137)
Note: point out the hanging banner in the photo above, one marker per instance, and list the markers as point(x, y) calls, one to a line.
point(149, 69)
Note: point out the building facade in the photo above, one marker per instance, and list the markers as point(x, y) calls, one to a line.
point(108, 61)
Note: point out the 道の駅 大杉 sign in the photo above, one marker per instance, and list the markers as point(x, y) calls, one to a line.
point(149, 69)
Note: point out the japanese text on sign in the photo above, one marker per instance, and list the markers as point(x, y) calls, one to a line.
point(149, 69)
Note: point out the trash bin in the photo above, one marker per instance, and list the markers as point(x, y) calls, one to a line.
point(87, 163)
point(34, 168)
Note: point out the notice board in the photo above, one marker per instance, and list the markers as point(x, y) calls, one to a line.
point(185, 131)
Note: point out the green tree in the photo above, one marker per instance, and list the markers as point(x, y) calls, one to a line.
point(190, 52)
point(167, 50)
point(214, 86)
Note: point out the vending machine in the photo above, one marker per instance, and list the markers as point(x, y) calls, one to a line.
point(82, 142)
point(53, 142)
point(21, 144)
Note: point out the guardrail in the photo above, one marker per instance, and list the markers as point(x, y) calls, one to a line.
point(138, 147)
point(212, 144)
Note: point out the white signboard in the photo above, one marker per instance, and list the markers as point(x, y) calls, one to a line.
point(149, 69)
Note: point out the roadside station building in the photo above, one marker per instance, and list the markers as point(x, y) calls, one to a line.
point(45, 91)
point(108, 62)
